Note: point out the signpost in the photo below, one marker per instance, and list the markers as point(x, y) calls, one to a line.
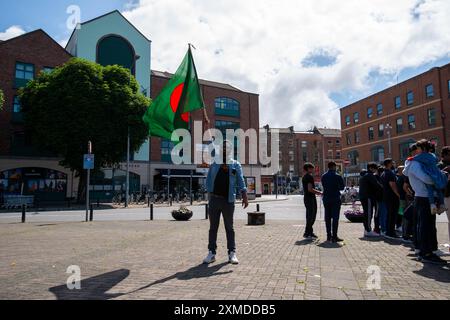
point(88, 164)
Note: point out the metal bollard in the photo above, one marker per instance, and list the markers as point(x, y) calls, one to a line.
point(91, 213)
point(24, 210)
point(151, 212)
point(257, 207)
point(206, 211)
point(148, 202)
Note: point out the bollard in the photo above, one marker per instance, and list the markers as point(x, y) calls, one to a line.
point(206, 211)
point(24, 210)
point(257, 207)
point(148, 202)
point(170, 200)
point(151, 212)
point(91, 213)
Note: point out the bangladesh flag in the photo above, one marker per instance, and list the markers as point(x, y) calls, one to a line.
point(181, 95)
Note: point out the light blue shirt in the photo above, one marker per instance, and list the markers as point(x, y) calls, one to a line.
point(418, 179)
point(236, 179)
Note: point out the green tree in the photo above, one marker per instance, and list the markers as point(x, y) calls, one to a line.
point(2, 99)
point(83, 101)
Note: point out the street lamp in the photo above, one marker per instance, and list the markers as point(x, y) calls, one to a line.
point(388, 131)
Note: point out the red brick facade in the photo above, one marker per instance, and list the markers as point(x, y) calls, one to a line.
point(430, 112)
point(248, 106)
point(36, 48)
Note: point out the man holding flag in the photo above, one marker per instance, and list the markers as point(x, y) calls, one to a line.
point(170, 111)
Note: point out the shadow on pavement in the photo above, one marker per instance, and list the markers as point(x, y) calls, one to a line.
point(330, 245)
point(305, 242)
point(371, 239)
point(93, 288)
point(200, 271)
point(436, 272)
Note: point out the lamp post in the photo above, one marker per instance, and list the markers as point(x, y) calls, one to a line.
point(388, 131)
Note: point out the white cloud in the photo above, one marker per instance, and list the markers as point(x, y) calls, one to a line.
point(11, 32)
point(259, 46)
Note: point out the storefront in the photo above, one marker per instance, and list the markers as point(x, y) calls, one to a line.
point(41, 183)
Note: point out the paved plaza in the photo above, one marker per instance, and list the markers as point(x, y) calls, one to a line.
point(161, 259)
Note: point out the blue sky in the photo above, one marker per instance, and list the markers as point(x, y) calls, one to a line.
point(310, 59)
point(51, 15)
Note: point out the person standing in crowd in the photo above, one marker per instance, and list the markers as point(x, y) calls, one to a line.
point(428, 161)
point(332, 185)
point(391, 197)
point(426, 222)
point(369, 191)
point(222, 182)
point(408, 218)
point(402, 202)
point(445, 166)
point(381, 212)
point(309, 199)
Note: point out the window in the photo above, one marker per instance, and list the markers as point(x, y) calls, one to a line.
point(348, 138)
point(166, 149)
point(304, 144)
point(370, 133)
point(379, 109)
point(377, 154)
point(347, 120)
point(409, 98)
point(227, 106)
point(24, 73)
point(330, 154)
point(448, 87)
point(353, 156)
point(411, 122)
point(397, 102)
point(338, 142)
point(380, 130)
point(356, 117)
point(304, 156)
point(429, 91)
point(356, 136)
point(369, 112)
point(338, 154)
point(399, 125)
point(431, 117)
point(330, 143)
point(16, 105)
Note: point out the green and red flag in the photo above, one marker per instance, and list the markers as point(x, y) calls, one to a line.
point(180, 96)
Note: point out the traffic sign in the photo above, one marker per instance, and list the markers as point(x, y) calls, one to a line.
point(88, 161)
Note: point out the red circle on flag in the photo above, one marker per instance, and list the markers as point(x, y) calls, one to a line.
point(175, 100)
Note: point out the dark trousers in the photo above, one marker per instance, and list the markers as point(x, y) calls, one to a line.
point(426, 227)
point(332, 212)
point(218, 206)
point(392, 205)
point(311, 213)
point(368, 207)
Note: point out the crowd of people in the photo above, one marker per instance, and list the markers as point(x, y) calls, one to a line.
point(400, 203)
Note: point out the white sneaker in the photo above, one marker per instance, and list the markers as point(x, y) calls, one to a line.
point(371, 234)
point(210, 258)
point(232, 258)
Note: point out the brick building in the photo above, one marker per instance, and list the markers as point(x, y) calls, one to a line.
point(227, 107)
point(318, 146)
point(23, 168)
point(385, 124)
